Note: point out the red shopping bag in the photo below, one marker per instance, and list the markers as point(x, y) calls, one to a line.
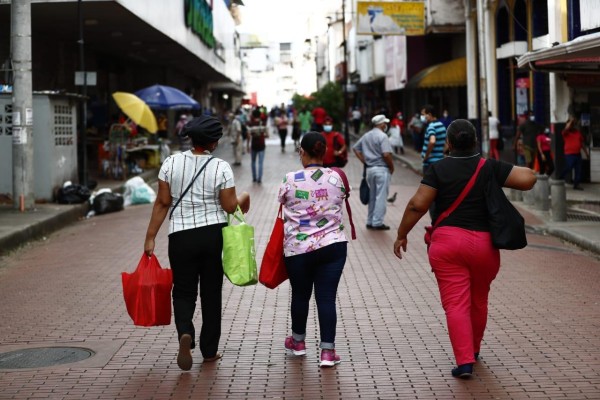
point(272, 268)
point(147, 293)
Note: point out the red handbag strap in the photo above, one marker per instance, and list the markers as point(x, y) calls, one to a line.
point(462, 194)
point(342, 174)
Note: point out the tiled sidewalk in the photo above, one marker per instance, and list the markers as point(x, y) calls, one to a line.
point(542, 339)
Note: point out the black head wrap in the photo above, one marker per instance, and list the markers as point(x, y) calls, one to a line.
point(203, 130)
point(314, 144)
point(462, 135)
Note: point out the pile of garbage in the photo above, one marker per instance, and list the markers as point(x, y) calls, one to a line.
point(136, 192)
point(104, 200)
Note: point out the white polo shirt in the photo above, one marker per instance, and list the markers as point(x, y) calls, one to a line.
point(201, 205)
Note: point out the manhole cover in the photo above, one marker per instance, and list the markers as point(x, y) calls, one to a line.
point(43, 357)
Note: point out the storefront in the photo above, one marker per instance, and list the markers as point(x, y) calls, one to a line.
point(577, 62)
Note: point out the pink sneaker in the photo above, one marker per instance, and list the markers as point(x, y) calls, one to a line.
point(329, 358)
point(296, 348)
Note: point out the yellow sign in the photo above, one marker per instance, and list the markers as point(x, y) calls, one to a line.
point(391, 18)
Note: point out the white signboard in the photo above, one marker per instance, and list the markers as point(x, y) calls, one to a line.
point(19, 135)
point(29, 116)
point(589, 14)
point(395, 62)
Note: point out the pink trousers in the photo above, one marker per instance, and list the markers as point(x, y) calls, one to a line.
point(464, 263)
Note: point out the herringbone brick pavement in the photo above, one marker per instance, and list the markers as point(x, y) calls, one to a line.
point(542, 340)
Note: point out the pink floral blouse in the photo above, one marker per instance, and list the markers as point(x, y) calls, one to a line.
point(312, 209)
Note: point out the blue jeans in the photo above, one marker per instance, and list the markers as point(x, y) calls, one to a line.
point(257, 175)
point(573, 161)
point(322, 269)
point(378, 179)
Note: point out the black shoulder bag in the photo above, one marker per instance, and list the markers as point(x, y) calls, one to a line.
point(507, 225)
point(189, 186)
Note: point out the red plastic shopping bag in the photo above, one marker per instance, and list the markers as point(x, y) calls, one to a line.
point(272, 268)
point(147, 293)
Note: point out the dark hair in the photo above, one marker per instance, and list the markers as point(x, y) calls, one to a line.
point(429, 109)
point(203, 130)
point(314, 144)
point(461, 135)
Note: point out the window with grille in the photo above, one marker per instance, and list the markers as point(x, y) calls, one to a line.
point(63, 126)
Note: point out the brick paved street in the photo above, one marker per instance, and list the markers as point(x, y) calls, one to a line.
point(542, 340)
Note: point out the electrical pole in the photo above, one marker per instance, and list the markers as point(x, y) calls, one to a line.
point(483, 92)
point(22, 105)
point(83, 123)
point(345, 75)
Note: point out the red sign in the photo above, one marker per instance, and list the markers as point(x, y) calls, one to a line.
point(522, 83)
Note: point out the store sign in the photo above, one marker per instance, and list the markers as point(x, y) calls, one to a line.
point(522, 83)
point(197, 15)
point(391, 18)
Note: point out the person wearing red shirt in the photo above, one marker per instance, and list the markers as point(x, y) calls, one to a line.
point(336, 146)
point(319, 115)
point(544, 153)
point(574, 143)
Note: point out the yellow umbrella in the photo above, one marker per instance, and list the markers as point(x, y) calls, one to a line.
point(137, 110)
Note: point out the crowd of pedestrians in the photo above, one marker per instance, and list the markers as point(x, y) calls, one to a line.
point(315, 242)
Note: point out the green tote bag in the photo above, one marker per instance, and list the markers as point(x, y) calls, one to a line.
point(239, 256)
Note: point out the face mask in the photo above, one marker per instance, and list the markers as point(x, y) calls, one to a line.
point(327, 128)
point(532, 117)
point(385, 128)
point(423, 118)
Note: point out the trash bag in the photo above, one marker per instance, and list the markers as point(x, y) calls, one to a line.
point(147, 292)
point(138, 192)
point(107, 202)
point(73, 194)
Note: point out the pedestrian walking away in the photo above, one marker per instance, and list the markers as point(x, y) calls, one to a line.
point(356, 120)
point(199, 191)
point(315, 245)
point(528, 132)
point(237, 139)
point(574, 144)
point(281, 122)
point(461, 253)
point(258, 132)
point(374, 150)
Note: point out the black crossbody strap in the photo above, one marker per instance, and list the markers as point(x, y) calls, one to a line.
point(189, 186)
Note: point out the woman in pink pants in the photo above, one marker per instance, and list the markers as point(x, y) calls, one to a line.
point(461, 253)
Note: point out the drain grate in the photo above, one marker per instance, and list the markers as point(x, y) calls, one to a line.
point(43, 357)
point(582, 216)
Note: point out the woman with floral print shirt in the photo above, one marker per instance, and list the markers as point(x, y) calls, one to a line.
point(315, 245)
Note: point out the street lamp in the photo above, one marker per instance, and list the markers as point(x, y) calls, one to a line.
point(345, 75)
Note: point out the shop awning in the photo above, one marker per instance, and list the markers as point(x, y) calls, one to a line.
point(227, 87)
point(581, 55)
point(449, 74)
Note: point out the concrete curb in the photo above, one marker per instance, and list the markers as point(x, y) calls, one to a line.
point(44, 227)
point(61, 219)
point(574, 238)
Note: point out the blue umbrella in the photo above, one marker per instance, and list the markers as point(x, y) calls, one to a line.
point(159, 96)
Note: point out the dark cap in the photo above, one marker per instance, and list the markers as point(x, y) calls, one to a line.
point(203, 130)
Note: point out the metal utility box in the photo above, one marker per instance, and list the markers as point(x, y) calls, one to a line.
point(54, 140)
